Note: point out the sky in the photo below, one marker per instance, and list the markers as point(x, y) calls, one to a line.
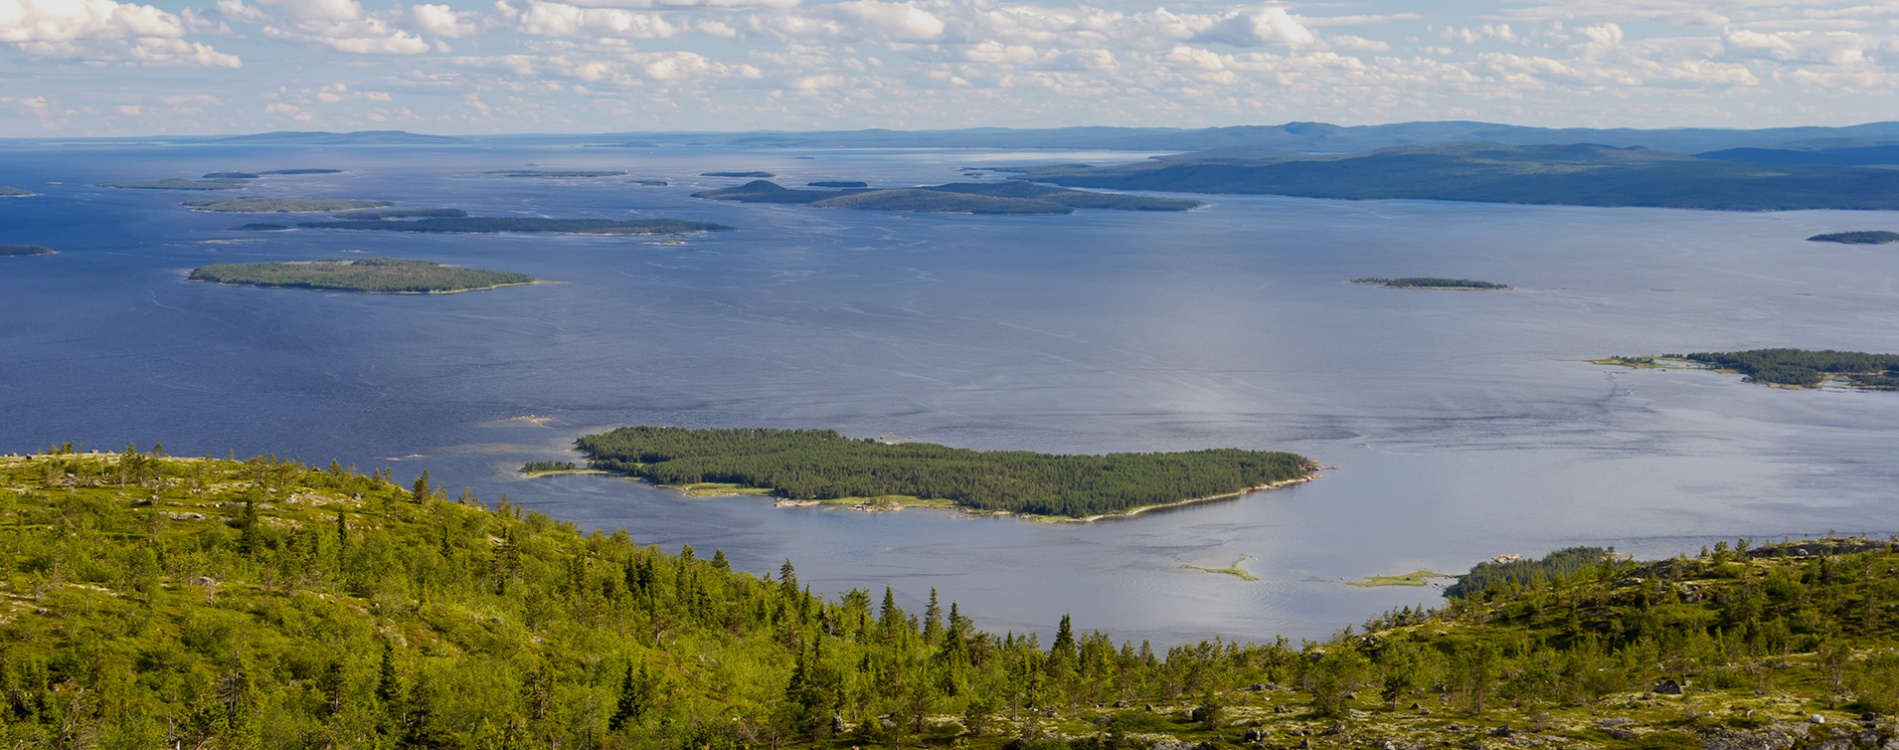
point(109, 68)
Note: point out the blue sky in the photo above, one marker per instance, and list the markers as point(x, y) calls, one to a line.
point(104, 67)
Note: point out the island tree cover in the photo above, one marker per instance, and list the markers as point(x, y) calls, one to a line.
point(376, 275)
point(20, 250)
point(13, 192)
point(1806, 368)
point(1578, 174)
point(148, 601)
point(401, 213)
point(822, 465)
point(1857, 238)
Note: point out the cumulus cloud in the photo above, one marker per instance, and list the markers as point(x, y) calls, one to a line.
point(104, 31)
point(441, 20)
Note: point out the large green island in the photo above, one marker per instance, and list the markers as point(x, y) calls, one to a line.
point(952, 198)
point(282, 205)
point(155, 601)
point(370, 275)
point(824, 466)
point(1784, 368)
point(1857, 238)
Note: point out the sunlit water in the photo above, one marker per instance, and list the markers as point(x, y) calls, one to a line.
point(1462, 425)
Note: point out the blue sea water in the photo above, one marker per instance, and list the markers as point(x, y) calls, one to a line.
point(1461, 425)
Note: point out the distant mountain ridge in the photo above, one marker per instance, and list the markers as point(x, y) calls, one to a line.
point(326, 138)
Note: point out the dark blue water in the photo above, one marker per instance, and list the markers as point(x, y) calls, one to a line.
point(1463, 425)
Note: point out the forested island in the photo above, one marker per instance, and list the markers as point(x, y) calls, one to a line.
point(822, 465)
point(952, 198)
point(371, 275)
point(153, 601)
point(557, 173)
point(1429, 282)
point(262, 227)
point(1787, 368)
point(178, 183)
point(497, 224)
point(838, 184)
point(1580, 174)
point(282, 205)
point(1857, 238)
point(13, 192)
point(12, 251)
point(401, 213)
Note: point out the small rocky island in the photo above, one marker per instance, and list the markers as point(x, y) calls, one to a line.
point(822, 466)
point(999, 198)
point(1857, 238)
point(17, 251)
point(368, 275)
point(1430, 282)
point(557, 173)
point(179, 183)
point(1783, 368)
point(282, 205)
point(13, 192)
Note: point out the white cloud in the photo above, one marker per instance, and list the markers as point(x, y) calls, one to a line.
point(104, 31)
point(564, 20)
point(1272, 26)
point(441, 20)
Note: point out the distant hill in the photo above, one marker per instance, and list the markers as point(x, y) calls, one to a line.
point(1578, 175)
point(325, 138)
point(953, 198)
point(1839, 157)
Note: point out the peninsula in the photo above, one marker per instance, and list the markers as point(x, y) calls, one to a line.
point(1784, 368)
point(281, 205)
point(952, 198)
point(498, 224)
point(824, 466)
point(1430, 282)
point(1571, 174)
point(14, 251)
point(1857, 238)
point(370, 275)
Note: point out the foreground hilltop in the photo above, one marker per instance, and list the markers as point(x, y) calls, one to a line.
point(153, 601)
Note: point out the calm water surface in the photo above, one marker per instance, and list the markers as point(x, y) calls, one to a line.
point(1462, 425)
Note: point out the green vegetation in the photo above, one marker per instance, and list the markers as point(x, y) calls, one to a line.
point(960, 198)
point(838, 184)
point(823, 465)
point(1429, 282)
point(761, 175)
point(261, 228)
point(650, 183)
point(282, 205)
point(150, 601)
point(549, 468)
point(556, 173)
point(1579, 174)
point(374, 275)
point(1515, 570)
point(231, 176)
point(178, 183)
point(495, 224)
point(1857, 238)
point(13, 192)
point(7, 251)
point(1805, 369)
point(1232, 570)
point(401, 213)
point(1413, 578)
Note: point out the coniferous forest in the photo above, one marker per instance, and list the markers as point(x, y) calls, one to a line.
point(824, 465)
point(1802, 367)
point(150, 601)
